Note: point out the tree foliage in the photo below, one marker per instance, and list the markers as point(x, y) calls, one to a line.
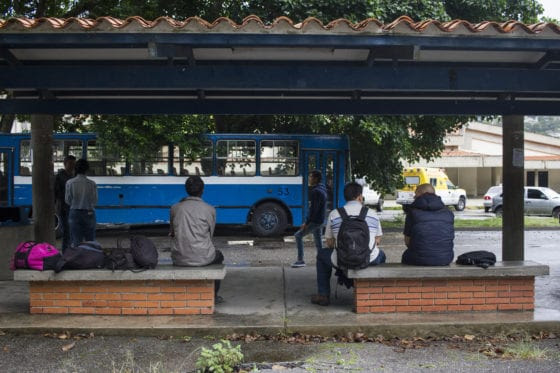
point(378, 143)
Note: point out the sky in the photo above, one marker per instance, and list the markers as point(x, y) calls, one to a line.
point(551, 8)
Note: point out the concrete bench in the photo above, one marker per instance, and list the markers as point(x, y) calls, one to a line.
point(394, 287)
point(166, 290)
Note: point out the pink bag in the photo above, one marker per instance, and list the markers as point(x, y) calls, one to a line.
point(31, 255)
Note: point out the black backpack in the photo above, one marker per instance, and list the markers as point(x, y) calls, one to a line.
point(480, 258)
point(119, 258)
point(87, 255)
point(143, 251)
point(352, 249)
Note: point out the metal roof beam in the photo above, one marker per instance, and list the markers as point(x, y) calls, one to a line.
point(414, 78)
point(280, 106)
point(547, 59)
point(12, 60)
point(216, 40)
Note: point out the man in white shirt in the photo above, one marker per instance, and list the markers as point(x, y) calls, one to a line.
point(353, 206)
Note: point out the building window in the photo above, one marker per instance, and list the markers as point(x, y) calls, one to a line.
point(530, 178)
point(543, 178)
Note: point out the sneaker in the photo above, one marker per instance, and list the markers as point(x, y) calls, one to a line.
point(218, 299)
point(298, 264)
point(321, 300)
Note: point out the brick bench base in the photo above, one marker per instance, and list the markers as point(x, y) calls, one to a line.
point(168, 297)
point(393, 287)
point(166, 290)
point(427, 295)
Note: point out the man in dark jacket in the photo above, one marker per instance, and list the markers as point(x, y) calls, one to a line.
point(315, 217)
point(61, 208)
point(428, 230)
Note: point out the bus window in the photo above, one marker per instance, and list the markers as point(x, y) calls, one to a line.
point(185, 165)
point(330, 180)
point(236, 157)
point(157, 165)
point(279, 158)
point(25, 158)
point(101, 164)
point(64, 148)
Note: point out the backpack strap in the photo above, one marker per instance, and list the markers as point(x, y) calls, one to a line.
point(342, 212)
point(363, 213)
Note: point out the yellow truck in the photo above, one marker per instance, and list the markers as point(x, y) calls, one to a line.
point(449, 193)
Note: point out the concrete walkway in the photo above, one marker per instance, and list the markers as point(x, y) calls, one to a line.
point(271, 300)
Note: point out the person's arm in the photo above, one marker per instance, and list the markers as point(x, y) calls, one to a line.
point(407, 240)
point(95, 196)
point(212, 222)
point(377, 240)
point(313, 209)
point(329, 235)
point(68, 194)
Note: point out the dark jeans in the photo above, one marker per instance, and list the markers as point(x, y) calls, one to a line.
point(82, 226)
point(311, 228)
point(65, 228)
point(218, 259)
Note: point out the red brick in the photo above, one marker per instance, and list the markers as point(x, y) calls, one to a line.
point(55, 309)
point(65, 289)
point(479, 294)
point(55, 296)
point(427, 295)
point(186, 311)
point(142, 289)
point(395, 289)
point(434, 308)
point(447, 289)
point(173, 289)
point(134, 296)
point(383, 296)
point(446, 301)
point(93, 289)
point(391, 302)
point(408, 282)
point(462, 307)
point(149, 304)
point(200, 303)
point(365, 303)
point(41, 303)
point(507, 307)
point(207, 311)
point(510, 294)
point(460, 282)
point(160, 297)
point(516, 281)
point(108, 311)
point(362, 296)
point(134, 311)
point(33, 296)
point(82, 310)
point(409, 308)
point(460, 295)
point(497, 300)
point(207, 289)
point(528, 294)
point(94, 303)
point(160, 311)
point(421, 302)
point(523, 287)
point(83, 296)
point(109, 296)
point(380, 282)
point(121, 303)
point(522, 300)
point(528, 307)
point(68, 303)
point(497, 288)
point(362, 309)
point(35, 310)
point(173, 304)
point(382, 309)
point(485, 282)
point(485, 307)
point(434, 283)
point(472, 301)
point(196, 296)
point(408, 295)
point(472, 288)
point(361, 290)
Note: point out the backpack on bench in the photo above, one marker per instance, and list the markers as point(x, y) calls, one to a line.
point(142, 254)
point(482, 258)
point(352, 241)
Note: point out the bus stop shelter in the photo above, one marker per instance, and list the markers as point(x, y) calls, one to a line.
point(110, 66)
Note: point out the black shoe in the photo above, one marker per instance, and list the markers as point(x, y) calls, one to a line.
point(321, 300)
point(218, 299)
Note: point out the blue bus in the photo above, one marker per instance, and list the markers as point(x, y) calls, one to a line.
point(254, 179)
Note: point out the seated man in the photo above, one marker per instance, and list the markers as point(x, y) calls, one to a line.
point(191, 224)
point(327, 257)
point(428, 230)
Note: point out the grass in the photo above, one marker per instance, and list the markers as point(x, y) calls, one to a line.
point(526, 351)
point(530, 222)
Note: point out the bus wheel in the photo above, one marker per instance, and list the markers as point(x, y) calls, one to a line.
point(269, 219)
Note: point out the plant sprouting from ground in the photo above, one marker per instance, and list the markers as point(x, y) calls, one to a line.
point(221, 358)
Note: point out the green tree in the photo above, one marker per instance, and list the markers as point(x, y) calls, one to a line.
point(378, 143)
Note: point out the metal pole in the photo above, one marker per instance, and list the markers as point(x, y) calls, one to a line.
point(513, 198)
point(42, 183)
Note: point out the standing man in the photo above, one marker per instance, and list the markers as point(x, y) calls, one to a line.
point(428, 230)
point(81, 196)
point(192, 222)
point(315, 217)
point(62, 209)
point(353, 208)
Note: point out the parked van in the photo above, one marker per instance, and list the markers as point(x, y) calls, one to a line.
point(449, 193)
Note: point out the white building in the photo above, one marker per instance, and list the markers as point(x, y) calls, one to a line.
point(473, 158)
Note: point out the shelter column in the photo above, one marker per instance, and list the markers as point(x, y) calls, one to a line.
point(42, 183)
point(513, 199)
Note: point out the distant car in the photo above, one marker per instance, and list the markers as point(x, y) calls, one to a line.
point(371, 197)
point(538, 201)
point(493, 191)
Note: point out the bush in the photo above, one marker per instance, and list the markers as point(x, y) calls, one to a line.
point(222, 358)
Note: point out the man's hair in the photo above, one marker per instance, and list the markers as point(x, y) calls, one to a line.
point(69, 158)
point(352, 190)
point(425, 188)
point(316, 175)
point(194, 186)
point(82, 166)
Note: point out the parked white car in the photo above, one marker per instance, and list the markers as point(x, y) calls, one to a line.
point(371, 197)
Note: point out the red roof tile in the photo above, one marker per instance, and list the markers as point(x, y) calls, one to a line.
point(403, 24)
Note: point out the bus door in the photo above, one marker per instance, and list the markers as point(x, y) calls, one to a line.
point(6, 176)
point(326, 162)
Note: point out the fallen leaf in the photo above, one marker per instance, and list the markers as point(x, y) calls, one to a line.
point(68, 347)
point(6, 349)
point(2, 332)
point(469, 337)
point(62, 336)
point(278, 367)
